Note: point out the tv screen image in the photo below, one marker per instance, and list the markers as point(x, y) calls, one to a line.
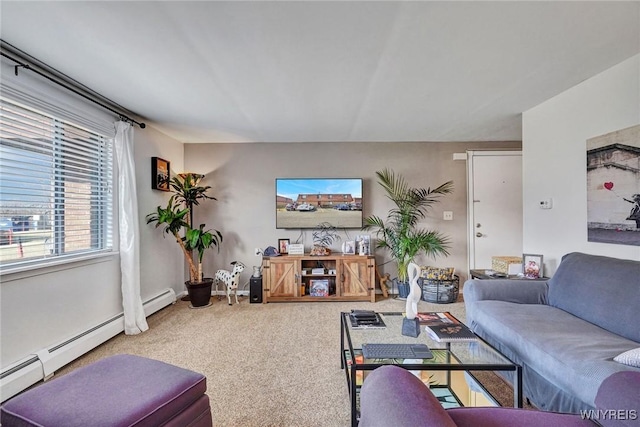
point(308, 202)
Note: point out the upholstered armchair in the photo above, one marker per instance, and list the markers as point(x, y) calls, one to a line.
point(392, 396)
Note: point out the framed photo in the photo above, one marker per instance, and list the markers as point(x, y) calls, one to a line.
point(160, 174)
point(363, 244)
point(532, 266)
point(283, 246)
point(319, 288)
point(349, 247)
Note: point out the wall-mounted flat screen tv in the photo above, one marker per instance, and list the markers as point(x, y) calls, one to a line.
point(307, 202)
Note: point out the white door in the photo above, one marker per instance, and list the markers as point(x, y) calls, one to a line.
point(494, 202)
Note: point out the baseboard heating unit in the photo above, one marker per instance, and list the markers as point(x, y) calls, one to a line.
point(42, 364)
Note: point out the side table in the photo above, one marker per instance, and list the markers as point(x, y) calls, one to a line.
point(482, 275)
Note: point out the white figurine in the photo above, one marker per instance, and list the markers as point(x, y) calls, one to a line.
point(413, 273)
point(230, 279)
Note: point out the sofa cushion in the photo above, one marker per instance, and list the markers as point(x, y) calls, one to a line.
point(573, 354)
point(631, 357)
point(602, 290)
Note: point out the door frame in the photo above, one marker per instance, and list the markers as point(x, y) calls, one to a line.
point(471, 200)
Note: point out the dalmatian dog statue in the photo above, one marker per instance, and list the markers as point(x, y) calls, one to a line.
point(230, 279)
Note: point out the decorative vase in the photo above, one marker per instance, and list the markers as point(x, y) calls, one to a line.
point(200, 292)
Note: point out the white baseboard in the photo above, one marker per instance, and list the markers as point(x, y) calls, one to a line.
point(37, 367)
point(215, 294)
point(240, 293)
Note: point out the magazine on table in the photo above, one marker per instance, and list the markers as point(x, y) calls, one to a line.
point(436, 318)
point(443, 327)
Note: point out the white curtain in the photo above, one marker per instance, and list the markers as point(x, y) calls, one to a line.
point(134, 318)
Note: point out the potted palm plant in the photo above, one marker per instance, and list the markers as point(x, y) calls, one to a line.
point(399, 233)
point(177, 219)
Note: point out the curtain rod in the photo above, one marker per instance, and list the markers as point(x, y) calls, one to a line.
point(63, 84)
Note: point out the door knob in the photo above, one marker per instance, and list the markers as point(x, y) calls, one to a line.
point(478, 234)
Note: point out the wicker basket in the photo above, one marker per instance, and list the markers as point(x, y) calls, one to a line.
point(440, 291)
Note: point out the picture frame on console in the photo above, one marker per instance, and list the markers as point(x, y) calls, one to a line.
point(363, 243)
point(283, 246)
point(349, 247)
point(532, 266)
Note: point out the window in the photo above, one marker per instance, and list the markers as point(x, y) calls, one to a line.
point(55, 187)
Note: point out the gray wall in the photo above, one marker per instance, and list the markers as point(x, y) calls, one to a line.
point(242, 177)
point(555, 137)
point(161, 260)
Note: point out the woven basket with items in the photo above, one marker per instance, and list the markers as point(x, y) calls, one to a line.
point(439, 285)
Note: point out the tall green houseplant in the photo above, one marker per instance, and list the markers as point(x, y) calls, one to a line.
point(399, 233)
point(177, 218)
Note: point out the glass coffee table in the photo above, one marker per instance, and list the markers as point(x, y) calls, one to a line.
point(447, 373)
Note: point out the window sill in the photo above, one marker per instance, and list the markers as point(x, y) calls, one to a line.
point(39, 267)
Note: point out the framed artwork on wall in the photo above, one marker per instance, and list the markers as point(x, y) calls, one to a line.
point(613, 187)
point(160, 174)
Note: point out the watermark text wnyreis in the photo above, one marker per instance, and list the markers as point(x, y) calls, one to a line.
point(609, 414)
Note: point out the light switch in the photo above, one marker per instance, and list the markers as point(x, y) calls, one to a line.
point(546, 204)
point(447, 216)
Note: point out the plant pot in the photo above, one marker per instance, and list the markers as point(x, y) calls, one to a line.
point(403, 289)
point(200, 292)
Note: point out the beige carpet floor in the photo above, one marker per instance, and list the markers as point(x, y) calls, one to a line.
point(272, 364)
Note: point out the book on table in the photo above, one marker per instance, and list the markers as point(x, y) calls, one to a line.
point(435, 318)
point(443, 327)
point(366, 319)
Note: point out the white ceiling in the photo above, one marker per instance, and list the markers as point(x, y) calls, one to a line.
point(215, 71)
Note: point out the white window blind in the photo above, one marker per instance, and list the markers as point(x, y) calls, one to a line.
point(55, 187)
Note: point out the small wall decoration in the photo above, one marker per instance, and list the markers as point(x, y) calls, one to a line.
point(613, 187)
point(160, 174)
point(532, 266)
point(283, 246)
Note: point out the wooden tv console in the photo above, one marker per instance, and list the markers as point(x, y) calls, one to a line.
point(299, 278)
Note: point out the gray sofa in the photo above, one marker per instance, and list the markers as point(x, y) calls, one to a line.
point(564, 332)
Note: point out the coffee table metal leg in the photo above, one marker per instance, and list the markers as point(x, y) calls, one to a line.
point(342, 326)
point(517, 388)
point(353, 390)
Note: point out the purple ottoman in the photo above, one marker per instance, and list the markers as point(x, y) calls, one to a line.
point(122, 390)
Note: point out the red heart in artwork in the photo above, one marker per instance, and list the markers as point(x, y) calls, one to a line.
point(608, 185)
